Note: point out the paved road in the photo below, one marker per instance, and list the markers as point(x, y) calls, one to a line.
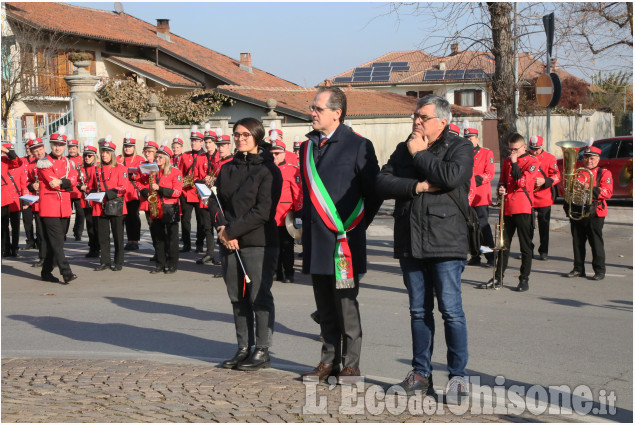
point(168, 328)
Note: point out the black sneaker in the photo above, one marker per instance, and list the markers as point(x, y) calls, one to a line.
point(415, 382)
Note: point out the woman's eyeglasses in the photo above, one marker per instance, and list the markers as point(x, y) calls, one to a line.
point(245, 135)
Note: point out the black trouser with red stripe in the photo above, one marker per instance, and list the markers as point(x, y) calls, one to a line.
point(588, 229)
point(285, 257)
point(186, 224)
point(132, 221)
point(27, 222)
point(53, 230)
point(525, 226)
point(543, 217)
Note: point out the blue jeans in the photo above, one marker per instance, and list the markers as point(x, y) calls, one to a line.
point(420, 277)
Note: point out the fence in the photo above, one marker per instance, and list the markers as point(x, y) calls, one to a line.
point(50, 125)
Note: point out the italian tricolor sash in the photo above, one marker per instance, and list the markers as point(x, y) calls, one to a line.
point(328, 213)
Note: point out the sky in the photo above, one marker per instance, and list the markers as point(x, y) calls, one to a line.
point(298, 41)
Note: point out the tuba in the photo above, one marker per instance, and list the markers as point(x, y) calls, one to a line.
point(578, 182)
point(155, 207)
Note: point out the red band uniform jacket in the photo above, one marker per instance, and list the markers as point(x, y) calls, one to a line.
point(77, 163)
point(31, 178)
point(10, 193)
point(56, 202)
point(602, 189)
point(115, 178)
point(549, 171)
point(128, 162)
point(291, 196)
point(482, 175)
point(192, 163)
point(519, 181)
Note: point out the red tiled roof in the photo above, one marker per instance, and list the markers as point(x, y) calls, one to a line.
point(420, 62)
point(123, 28)
point(360, 102)
point(154, 72)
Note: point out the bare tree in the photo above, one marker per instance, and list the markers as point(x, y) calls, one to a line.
point(27, 60)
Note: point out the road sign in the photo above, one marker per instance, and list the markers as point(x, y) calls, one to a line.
point(548, 90)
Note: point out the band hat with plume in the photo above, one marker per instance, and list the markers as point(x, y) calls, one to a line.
point(296, 142)
point(177, 139)
point(454, 129)
point(59, 136)
point(34, 142)
point(128, 140)
point(535, 142)
point(208, 133)
point(195, 134)
point(108, 144)
point(89, 148)
point(149, 144)
point(164, 149)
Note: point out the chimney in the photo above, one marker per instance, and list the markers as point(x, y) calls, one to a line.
point(245, 62)
point(442, 65)
point(327, 83)
point(163, 29)
point(455, 49)
point(554, 64)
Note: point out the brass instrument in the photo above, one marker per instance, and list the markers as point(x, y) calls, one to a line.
point(188, 181)
point(499, 245)
point(577, 193)
point(626, 174)
point(155, 207)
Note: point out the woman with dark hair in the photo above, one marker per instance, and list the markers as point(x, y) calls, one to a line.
point(110, 177)
point(248, 191)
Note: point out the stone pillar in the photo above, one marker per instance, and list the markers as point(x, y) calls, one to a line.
point(220, 121)
point(82, 92)
point(271, 117)
point(155, 119)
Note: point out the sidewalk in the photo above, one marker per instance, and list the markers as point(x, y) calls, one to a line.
point(54, 390)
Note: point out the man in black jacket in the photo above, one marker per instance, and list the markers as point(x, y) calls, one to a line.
point(341, 165)
point(431, 237)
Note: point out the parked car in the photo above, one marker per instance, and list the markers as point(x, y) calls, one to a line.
point(617, 157)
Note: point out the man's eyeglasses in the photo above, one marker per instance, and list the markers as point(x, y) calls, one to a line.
point(245, 135)
point(315, 108)
point(423, 118)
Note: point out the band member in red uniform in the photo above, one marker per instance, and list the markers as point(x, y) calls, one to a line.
point(111, 178)
point(290, 158)
point(130, 160)
point(517, 181)
point(189, 167)
point(27, 209)
point(33, 184)
point(454, 129)
point(57, 176)
point(297, 145)
point(480, 196)
point(10, 194)
point(207, 166)
point(546, 179)
point(149, 152)
point(73, 155)
point(290, 201)
point(177, 151)
point(590, 228)
point(86, 173)
point(17, 177)
point(167, 185)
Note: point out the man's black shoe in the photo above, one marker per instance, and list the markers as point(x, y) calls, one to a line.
point(474, 261)
point(29, 245)
point(218, 275)
point(38, 263)
point(157, 270)
point(69, 278)
point(598, 276)
point(241, 355)
point(207, 259)
point(128, 246)
point(490, 284)
point(170, 270)
point(316, 317)
point(575, 273)
point(92, 254)
point(288, 280)
point(185, 249)
point(217, 262)
point(523, 285)
point(78, 238)
point(415, 382)
point(48, 277)
point(543, 256)
point(116, 268)
point(199, 249)
point(259, 359)
point(101, 267)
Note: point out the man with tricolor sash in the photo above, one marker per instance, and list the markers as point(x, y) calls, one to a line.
point(339, 169)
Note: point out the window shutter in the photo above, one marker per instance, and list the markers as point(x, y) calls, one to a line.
point(478, 97)
point(457, 97)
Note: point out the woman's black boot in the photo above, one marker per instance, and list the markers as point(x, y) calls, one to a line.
point(241, 354)
point(259, 359)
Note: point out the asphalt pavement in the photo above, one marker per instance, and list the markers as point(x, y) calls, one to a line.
point(143, 347)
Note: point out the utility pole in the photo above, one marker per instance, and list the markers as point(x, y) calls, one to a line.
point(516, 92)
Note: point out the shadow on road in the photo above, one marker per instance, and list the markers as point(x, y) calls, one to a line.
point(576, 303)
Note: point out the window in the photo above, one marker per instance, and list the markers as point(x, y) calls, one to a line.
point(626, 149)
point(411, 94)
point(608, 149)
point(425, 93)
point(472, 98)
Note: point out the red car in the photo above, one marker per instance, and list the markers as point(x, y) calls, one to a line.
point(617, 157)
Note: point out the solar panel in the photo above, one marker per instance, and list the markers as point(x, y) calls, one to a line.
point(363, 68)
point(454, 74)
point(343, 79)
point(362, 73)
point(381, 68)
point(386, 73)
point(400, 68)
point(398, 63)
point(474, 73)
point(434, 75)
point(380, 78)
point(357, 79)
point(380, 64)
